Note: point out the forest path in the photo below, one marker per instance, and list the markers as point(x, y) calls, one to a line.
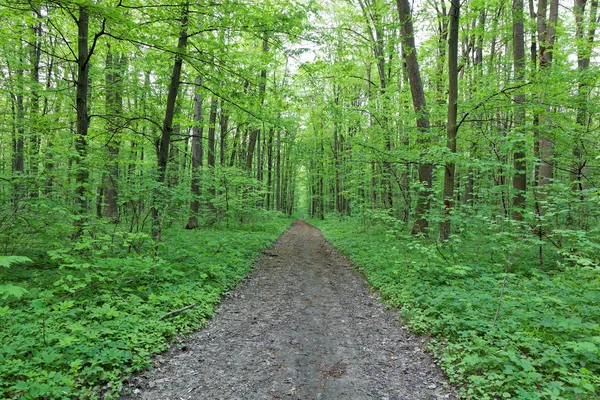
point(302, 325)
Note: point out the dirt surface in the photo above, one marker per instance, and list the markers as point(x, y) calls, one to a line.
point(302, 325)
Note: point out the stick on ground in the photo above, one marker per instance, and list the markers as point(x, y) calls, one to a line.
point(170, 313)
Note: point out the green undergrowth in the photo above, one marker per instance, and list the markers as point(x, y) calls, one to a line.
point(76, 322)
point(545, 342)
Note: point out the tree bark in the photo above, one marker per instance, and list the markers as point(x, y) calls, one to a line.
point(223, 127)
point(546, 38)
point(520, 175)
point(420, 107)
point(114, 109)
point(268, 204)
point(197, 130)
point(261, 95)
point(83, 120)
point(584, 47)
point(374, 22)
point(212, 120)
point(278, 205)
point(167, 127)
point(452, 126)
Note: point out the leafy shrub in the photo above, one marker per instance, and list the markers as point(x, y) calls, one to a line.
point(91, 315)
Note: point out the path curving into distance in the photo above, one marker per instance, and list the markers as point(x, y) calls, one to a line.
point(303, 325)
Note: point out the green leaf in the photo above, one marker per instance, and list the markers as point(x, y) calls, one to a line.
point(11, 290)
point(7, 261)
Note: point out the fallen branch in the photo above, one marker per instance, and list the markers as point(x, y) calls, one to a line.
point(178, 311)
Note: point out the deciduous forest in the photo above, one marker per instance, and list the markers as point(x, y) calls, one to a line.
point(150, 151)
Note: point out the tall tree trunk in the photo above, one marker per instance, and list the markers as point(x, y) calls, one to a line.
point(223, 127)
point(452, 126)
point(18, 160)
point(197, 130)
point(259, 174)
point(278, 205)
point(547, 36)
point(114, 109)
point(337, 167)
point(268, 204)
point(212, 121)
point(520, 174)
point(374, 22)
point(167, 127)
point(234, 149)
point(261, 95)
point(420, 106)
point(82, 174)
point(34, 112)
point(584, 48)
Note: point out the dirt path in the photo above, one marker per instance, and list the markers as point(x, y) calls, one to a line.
point(303, 325)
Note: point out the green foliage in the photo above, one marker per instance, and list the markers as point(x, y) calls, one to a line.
point(8, 290)
point(7, 261)
point(91, 315)
point(545, 343)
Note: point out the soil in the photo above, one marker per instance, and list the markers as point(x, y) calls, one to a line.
point(303, 325)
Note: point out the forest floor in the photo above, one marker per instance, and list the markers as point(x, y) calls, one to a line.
point(302, 325)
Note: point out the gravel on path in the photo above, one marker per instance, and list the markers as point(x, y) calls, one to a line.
point(303, 325)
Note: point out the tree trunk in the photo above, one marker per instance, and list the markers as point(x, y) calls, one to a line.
point(374, 21)
point(337, 167)
point(197, 130)
point(18, 161)
point(114, 109)
point(420, 107)
point(268, 204)
point(81, 174)
point(261, 95)
point(167, 127)
point(546, 37)
point(278, 205)
point(36, 136)
point(520, 166)
point(223, 127)
point(212, 120)
point(584, 48)
point(452, 126)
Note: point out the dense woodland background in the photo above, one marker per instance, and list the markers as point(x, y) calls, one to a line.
point(455, 147)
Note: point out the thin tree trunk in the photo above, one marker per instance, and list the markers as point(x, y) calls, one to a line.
point(337, 167)
point(212, 120)
point(584, 48)
point(167, 128)
point(35, 55)
point(18, 162)
point(223, 127)
point(547, 34)
point(234, 150)
point(268, 204)
point(452, 126)
point(197, 131)
point(278, 172)
point(261, 95)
